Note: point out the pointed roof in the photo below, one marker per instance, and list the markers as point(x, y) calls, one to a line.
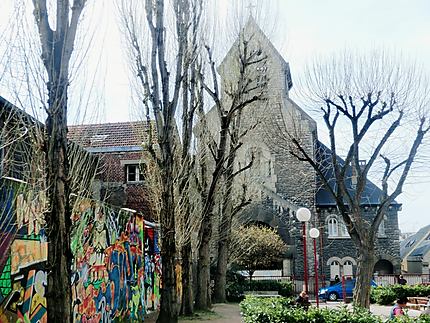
point(252, 28)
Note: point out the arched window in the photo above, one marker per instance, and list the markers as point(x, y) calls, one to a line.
point(347, 268)
point(381, 228)
point(334, 269)
point(332, 225)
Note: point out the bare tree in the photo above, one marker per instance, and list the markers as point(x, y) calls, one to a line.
point(57, 44)
point(160, 97)
point(240, 92)
point(233, 203)
point(369, 105)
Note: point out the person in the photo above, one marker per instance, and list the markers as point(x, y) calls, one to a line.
point(401, 280)
point(427, 308)
point(397, 309)
point(303, 300)
point(336, 279)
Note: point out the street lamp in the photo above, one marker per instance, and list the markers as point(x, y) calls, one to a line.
point(304, 215)
point(314, 233)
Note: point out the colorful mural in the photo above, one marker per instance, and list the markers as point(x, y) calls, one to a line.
point(116, 269)
point(24, 254)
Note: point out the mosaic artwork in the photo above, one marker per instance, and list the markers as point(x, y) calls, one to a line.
point(116, 268)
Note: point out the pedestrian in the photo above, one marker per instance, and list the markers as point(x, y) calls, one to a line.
point(303, 300)
point(401, 280)
point(397, 309)
point(427, 308)
point(336, 279)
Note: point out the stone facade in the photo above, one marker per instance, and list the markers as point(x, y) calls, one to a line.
point(278, 182)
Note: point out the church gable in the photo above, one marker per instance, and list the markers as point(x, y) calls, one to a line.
point(271, 69)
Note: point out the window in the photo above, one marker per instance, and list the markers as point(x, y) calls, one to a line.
point(332, 227)
point(336, 227)
point(134, 173)
point(347, 268)
point(343, 231)
point(334, 269)
point(381, 228)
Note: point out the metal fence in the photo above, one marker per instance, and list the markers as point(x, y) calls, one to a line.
point(380, 280)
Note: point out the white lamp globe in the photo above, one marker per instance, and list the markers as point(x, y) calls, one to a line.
point(314, 233)
point(303, 214)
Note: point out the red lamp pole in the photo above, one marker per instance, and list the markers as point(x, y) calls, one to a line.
point(316, 272)
point(305, 257)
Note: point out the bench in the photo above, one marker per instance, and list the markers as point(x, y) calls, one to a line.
point(265, 293)
point(417, 303)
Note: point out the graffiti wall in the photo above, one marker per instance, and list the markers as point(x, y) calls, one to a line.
point(116, 268)
point(23, 250)
point(116, 272)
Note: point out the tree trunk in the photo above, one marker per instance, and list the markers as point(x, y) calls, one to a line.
point(58, 219)
point(168, 298)
point(187, 286)
point(203, 300)
point(221, 271)
point(365, 265)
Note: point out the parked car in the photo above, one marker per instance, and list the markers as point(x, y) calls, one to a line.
point(335, 292)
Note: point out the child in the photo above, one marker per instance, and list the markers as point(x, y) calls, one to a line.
point(397, 309)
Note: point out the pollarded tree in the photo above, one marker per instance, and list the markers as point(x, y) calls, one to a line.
point(377, 109)
point(257, 247)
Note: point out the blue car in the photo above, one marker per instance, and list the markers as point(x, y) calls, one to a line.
point(335, 292)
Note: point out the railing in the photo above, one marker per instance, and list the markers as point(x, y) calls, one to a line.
point(380, 280)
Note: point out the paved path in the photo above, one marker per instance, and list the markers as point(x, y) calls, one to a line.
point(228, 313)
point(225, 313)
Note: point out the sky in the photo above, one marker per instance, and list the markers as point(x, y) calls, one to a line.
point(301, 30)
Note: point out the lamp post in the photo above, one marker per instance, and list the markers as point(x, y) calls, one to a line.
point(304, 215)
point(314, 233)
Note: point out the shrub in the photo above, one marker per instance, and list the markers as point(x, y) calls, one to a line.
point(385, 295)
point(235, 290)
point(281, 310)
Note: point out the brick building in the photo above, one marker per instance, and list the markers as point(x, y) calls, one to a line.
point(119, 147)
point(280, 184)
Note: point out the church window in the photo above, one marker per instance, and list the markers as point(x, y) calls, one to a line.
point(332, 227)
point(347, 268)
point(334, 269)
point(336, 227)
point(381, 228)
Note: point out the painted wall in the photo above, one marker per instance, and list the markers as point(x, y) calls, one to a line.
point(23, 250)
point(116, 269)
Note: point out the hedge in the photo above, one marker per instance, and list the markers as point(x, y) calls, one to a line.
point(280, 310)
point(235, 290)
point(386, 295)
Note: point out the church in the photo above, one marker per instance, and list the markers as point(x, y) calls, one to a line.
point(280, 184)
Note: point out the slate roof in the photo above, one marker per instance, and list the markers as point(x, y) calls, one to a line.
point(121, 134)
point(370, 196)
point(416, 245)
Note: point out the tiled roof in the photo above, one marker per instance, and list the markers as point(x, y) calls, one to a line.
point(119, 134)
